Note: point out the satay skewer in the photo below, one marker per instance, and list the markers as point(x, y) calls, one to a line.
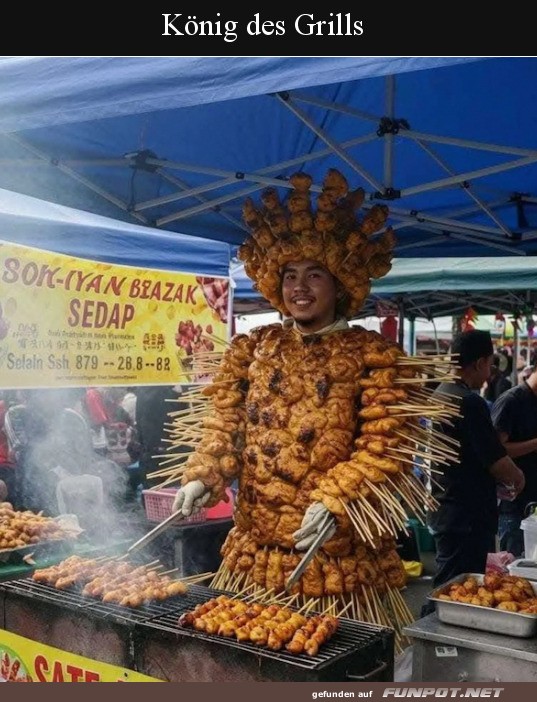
point(367, 604)
point(419, 381)
point(419, 454)
point(381, 524)
point(358, 525)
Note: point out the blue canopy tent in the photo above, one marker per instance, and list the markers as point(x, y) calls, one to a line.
point(31, 222)
point(177, 143)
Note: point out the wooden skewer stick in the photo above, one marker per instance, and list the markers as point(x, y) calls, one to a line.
point(354, 609)
point(417, 488)
point(374, 600)
point(424, 437)
point(359, 527)
point(244, 590)
point(428, 362)
point(435, 432)
point(387, 496)
point(308, 604)
point(358, 524)
point(423, 393)
point(404, 614)
point(413, 504)
point(431, 455)
point(417, 407)
point(387, 505)
point(400, 458)
point(189, 578)
point(450, 454)
point(381, 609)
point(368, 605)
point(399, 615)
point(169, 572)
point(345, 609)
point(418, 454)
point(418, 381)
point(388, 517)
point(381, 524)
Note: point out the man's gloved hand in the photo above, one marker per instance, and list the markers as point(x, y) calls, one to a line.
point(314, 518)
point(191, 498)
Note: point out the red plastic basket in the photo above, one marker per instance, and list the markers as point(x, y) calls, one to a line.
point(158, 506)
point(222, 509)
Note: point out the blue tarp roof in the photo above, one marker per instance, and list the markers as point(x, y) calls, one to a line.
point(32, 222)
point(177, 143)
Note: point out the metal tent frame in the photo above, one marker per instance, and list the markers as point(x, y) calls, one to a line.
point(446, 192)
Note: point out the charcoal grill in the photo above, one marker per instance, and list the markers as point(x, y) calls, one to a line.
point(74, 600)
point(151, 640)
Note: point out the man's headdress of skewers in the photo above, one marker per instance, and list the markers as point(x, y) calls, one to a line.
point(331, 233)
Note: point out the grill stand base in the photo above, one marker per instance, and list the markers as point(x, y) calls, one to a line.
point(177, 658)
point(67, 630)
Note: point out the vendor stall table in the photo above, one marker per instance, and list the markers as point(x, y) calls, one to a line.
point(442, 652)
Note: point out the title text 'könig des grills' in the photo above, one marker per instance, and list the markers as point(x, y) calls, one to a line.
point(337, 24)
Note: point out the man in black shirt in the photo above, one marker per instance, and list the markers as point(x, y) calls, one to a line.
point(497, 384)
point(464, 525)
point(514, 415)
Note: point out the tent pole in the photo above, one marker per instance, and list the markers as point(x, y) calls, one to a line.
point(412, 336)
point(401, 325)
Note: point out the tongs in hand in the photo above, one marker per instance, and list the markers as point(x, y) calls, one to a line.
point(151, 535)
point(324, 530)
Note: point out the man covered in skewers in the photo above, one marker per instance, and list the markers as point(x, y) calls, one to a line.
point(315, 417)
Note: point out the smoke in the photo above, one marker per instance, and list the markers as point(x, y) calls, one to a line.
point(61, 472)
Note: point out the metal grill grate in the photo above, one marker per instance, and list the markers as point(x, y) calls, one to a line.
point(351, 636)
point(74, 600)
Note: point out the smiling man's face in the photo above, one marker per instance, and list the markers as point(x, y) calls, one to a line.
point(309, 293)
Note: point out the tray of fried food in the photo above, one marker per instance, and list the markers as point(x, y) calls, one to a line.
point(112, 580)
point(500, 604)
point(22, 531)
point(266, 625)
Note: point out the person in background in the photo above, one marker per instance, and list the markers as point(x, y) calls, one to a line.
point(514, 416)
point(129, 404)
point(8, 467)
point(497, 383)
point(49, 440)
point(465, 523)
point(525, 374)
point(113, 433)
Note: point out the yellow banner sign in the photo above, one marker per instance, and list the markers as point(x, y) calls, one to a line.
point(70, 322)
point(24, 660)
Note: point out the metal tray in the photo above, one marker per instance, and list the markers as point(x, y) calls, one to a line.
point(496, 621)
point(39, 550)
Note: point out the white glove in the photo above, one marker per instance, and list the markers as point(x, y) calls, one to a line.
point(314, 518)
point(191, 498)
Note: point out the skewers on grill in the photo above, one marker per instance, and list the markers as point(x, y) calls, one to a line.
point(271, 625)
point(112, 581)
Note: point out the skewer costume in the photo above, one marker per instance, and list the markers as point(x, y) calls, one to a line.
point(322, 417)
